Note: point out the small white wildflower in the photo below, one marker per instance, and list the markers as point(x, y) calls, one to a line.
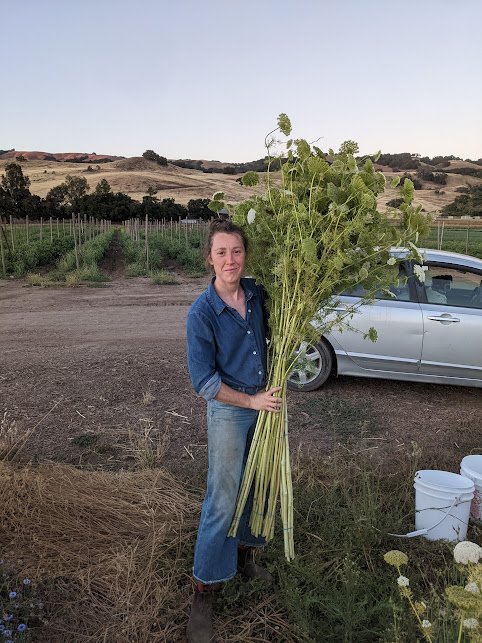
point(391, 261)
point(403, 581)
point(251, 216)
point(466, 552)
point(419, 273)
point(426, 624)
point(470, 623)
point(473, 588)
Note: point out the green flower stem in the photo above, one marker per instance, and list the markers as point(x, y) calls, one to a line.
point(459, 638)
point(303, 242)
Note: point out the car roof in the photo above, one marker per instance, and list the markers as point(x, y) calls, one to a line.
point(432, 255)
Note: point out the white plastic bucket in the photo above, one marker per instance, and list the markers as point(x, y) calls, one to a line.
point(442, 504)
point(471, 467)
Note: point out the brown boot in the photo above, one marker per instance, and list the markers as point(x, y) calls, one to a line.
point(248, 568)
point(200, 624)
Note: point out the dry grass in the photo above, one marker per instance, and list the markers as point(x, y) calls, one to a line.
point(148, 398)
point(103, 548)
point(147, 444)
point(9, 436)
point(135, 175)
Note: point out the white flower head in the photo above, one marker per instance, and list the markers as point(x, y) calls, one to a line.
point(403, 581)
point(391, 261)
point(466, 552)
point(426, 624)
point(419, 273)
point(473, 588)
point(251, 216)
point(470, 623)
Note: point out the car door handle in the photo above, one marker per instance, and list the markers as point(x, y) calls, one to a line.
point(448, 319)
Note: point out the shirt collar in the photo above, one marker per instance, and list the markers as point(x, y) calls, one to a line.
point(217, 303)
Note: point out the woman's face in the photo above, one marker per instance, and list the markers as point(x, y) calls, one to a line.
point(227, 257)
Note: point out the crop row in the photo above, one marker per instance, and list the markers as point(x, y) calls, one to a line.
point(25, 247)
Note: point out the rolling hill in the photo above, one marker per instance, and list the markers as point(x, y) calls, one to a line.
point(134, 176)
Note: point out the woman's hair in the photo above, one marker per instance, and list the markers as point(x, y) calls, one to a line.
point(222, 225)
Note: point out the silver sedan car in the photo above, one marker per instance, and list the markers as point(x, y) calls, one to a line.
point(429, 331)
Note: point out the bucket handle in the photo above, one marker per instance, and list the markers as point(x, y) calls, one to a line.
point(423, 532)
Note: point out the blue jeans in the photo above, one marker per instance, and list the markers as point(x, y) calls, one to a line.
point(230, 431)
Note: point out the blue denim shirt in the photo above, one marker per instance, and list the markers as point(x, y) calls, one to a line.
point(224, 347)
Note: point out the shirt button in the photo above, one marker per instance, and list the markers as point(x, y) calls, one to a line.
point(249, 310)
point(254, 352)
point(249, 332)
point(260, 372)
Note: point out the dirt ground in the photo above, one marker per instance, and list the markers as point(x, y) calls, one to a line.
point(90, 370)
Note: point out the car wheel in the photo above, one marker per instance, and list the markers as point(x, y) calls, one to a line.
point(313, 369)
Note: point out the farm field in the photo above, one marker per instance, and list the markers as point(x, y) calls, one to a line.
point(96, 352)
point(89, 368)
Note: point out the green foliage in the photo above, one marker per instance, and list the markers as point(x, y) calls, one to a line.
point(14, 190)
point(467, 204)
point(37, 253)
point(427, 175)
point(338, 588)
point(439, 161)
point(320, 232)
point(75, 187)
point(150, 155)
point(184, 250)
point(349, 147)
point(403, 161)
point(163, 277)
point(198, 209)
point(102, 189)
point(250, 179)
point(466, 171)
point(89, 254)
point(417, 185)
point(395, 203)
point(284, 124)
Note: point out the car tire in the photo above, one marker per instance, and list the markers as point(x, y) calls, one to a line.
point(309, 379)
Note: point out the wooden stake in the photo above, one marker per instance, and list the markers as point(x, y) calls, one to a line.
point(11, 233)
point(1, 246)
point(147, 242)
point(75, 242)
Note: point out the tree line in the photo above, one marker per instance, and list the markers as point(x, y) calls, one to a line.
point(73, 196)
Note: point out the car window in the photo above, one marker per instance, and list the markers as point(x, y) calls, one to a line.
point(400, 290)
point(453, 287)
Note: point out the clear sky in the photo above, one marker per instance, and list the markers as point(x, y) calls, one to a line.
point(207, 78)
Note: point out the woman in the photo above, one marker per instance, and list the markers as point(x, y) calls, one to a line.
point(226, 345)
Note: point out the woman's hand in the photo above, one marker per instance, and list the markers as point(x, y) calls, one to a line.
point(266, 400)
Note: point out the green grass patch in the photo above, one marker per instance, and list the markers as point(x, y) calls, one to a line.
point(85, 440)
point(338, 587)
point(341, 418)
point(136, 269)
point(163, 277)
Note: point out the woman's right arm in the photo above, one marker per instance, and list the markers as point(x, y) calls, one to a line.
point(201, 356)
